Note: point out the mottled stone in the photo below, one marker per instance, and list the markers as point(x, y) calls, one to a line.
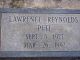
point(63, 4)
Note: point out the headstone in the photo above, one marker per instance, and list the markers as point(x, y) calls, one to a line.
point(39, 32)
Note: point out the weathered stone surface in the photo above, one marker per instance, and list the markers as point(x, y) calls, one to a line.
point(64, 4)
point(0, 29)
point(40, 32)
